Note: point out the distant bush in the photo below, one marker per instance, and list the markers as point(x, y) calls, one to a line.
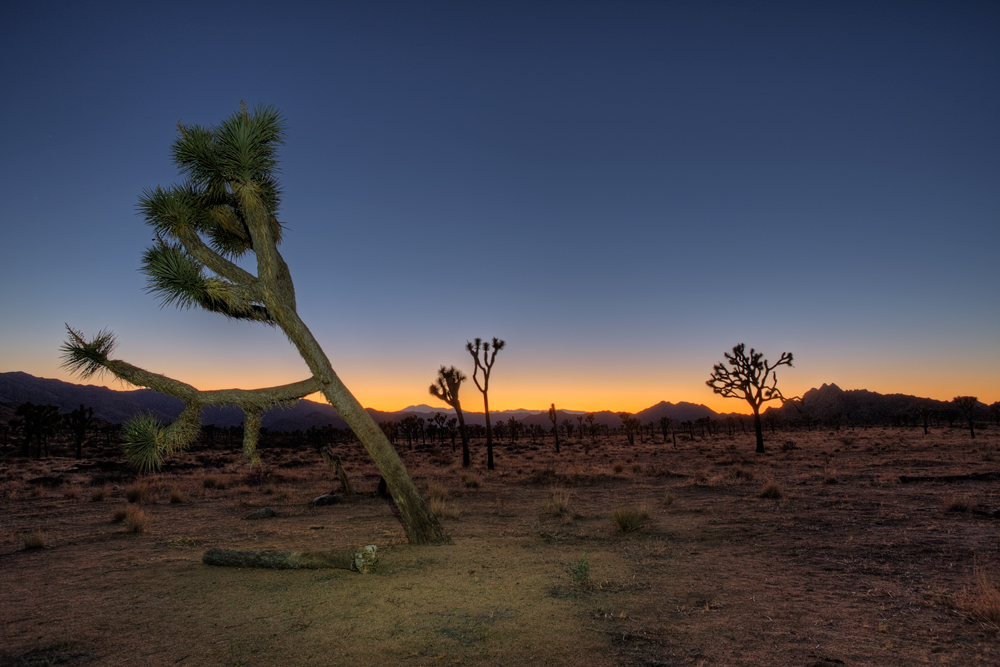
point(772, 491)
point(35, 540)
point(630, 519)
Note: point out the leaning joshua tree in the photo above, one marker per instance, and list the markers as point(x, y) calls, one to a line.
point(224, 210)
point(751, 379)
point(485, 365)
point(449, 381)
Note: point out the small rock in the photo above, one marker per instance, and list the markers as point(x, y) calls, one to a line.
point(263, 513)
point(327, 499)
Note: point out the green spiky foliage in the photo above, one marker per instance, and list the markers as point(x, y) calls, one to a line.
point(87, 358)
point(144, 442)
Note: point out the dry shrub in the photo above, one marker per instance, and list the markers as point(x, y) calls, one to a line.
point(136, 521)
point(177, 496)
point(738, 474)
point(436, 490)
point(213, 482)
point(618, 467)
point(831, 479)
point(441, 508)
point(629, 519)
point(788, 445)
point(34, 540)
point(982, 601)
point(637, 468)
point(140, 493)
point(471, 481)
point(37, 491)
point(669, 498)
point(958, 502)
point(99, 493)
point(558, 502)
point(120, 514)
point(771, 491)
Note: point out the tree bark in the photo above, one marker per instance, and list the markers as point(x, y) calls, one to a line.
point(363, 560)
point(757, 430)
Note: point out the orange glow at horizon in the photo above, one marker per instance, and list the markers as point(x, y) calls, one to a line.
point(577, 394)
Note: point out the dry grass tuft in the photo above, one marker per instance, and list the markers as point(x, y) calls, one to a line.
point(136, 521)
point(471, 480)
point(442, 510)
point(436, 490)
point(558, 503)
point(982, 601)
point(214, 482)
point(669, 498)
point(618, 467)
point(34, 540)
point(958, 502)
point(99, 493)
point(771, 491)
point(177, 496)
point(140, 493)
point(630, 519)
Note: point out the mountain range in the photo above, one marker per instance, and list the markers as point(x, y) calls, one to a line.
point(116, 406)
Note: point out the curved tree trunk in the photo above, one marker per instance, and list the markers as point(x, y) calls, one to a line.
point(420, 524)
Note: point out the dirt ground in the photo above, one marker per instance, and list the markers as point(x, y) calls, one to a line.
point(847, 566)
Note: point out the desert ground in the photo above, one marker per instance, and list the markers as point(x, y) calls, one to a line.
point(813, 554)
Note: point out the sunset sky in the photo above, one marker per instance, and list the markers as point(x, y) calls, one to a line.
point(620, 190)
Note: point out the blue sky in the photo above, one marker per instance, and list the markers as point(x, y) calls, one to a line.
point(621, 191)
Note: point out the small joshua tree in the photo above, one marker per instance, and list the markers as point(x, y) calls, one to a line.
point(79, 422)
point(630, 425)
point(485, 365)
point(553, 417)
point(226, 209)
point(967, 406)
point(449, 381)
point(751, 378)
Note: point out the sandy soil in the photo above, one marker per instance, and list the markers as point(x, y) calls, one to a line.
point(847, 567)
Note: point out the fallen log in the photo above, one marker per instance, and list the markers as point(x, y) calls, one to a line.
point(971, 477)
point(364, 560)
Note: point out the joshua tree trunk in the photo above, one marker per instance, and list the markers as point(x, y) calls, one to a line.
point(758, 431)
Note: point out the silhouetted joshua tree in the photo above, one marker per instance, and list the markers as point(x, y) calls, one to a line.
point(555, 425)
point(751, 379)
point(449, 381)
point(664, 425)
point(224, 210)
point(630, 425)
point(967, 406)
point(79, 422)
point(485, 365)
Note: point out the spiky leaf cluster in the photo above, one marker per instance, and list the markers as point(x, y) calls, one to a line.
point(217, 215)
point(144, 440)
point(87, 357)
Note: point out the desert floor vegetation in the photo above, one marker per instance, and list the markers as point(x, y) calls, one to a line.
point(864, 571)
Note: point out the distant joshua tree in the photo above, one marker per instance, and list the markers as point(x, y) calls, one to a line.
point(630, 425)
point(224, 212)
point(664, 425)
point(449, 381)
point(79, 422)
point(751, 379)
point(555, 426)
point(590, 420)
point(967, 406)
point(485, 365)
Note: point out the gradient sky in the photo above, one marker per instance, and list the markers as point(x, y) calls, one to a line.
point(622, 191)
